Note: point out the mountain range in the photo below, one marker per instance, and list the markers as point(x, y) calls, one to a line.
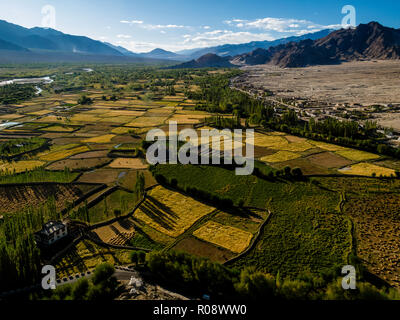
point(209, 60)
point(237, 49)
point(19, 44)
point(366, 42)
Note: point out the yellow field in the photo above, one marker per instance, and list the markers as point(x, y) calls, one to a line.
point(40, 113)
point(367, 169)
point(20, 166)
point(51, 119)
point(297, 147)
point(121, 130)
point(58, 129)
point(269, 141)
point(188, 119)
point(11, 116)
point(80, 117)
point(118, 120)
point(54, 148)
point(231, 238)
point(126, 113)
point(164, 110)
point(357, 155)
point(171, 212)
point(62, 154)
point(281, 156)
point(117, 232)
point(326, 146)
point(100, 139)
point(127, 163)
point(142, 122)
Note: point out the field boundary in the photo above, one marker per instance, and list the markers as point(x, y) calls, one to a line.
point(253, 241)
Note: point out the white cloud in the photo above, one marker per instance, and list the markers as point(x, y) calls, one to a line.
point(123, 36)
point(161, 26)
point(147, 26)
point(132, 21)
point(279, 25)
point(238, 31)
point(219, 37)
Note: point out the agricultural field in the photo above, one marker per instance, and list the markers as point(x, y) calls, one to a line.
point(118, 203)
point(170, 212)
point(85, 256)
point(231, 238)
point(368, 169)
point(342, 203)
point(16, 198)
point(117, 233)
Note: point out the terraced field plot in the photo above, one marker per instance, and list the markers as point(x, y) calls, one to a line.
point(281, 156)
point(368, 169)
point(143, 122)
point(118, 233)
point(100, 139)
point(377, 226)
point(86, 256)
point(78, 164)
point(328, 160)
point(62, 154)
point(204, 249)
point(57, 128)
point(107, 176)
point(171, 212)
point(128, 163)
point(120, 202)
point(233, 239)
point(357, 155)
point(16, 198)
point(20, 166)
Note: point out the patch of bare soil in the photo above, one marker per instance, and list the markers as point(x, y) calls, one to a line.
point(78, 164)
point(328, 160)
point(365, 82)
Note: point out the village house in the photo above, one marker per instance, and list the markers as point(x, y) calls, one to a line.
point(51, 232)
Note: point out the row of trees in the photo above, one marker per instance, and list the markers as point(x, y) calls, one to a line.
point(200, 276)
point(19, 255)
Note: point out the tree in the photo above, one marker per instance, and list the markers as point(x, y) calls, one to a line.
point(80, 289)
point(84, 100)
point(134, 257)
point(102, 273)
point(296, 172)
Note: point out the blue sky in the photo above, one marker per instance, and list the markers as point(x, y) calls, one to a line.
point(184, 24)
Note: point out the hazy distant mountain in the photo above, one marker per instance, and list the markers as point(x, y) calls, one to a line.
point(52, 40)
point(163, 54)
point(124, 51)
point(20, 45)
point(5, 45)
point(210, 60)
point(236, 49)
point(366, 42)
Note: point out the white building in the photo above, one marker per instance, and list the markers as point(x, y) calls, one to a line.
point(51, 232)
